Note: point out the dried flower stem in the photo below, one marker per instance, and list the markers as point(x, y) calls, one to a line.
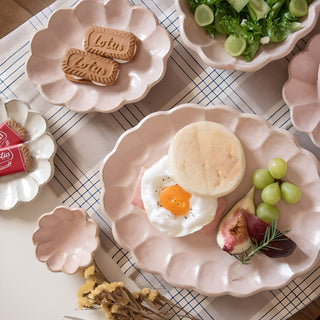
point(119, 303)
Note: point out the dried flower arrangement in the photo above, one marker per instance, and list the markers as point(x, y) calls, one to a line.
point(118, 303)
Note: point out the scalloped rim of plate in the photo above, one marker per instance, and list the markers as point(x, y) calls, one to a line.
point(168, 279)
point(50, 160)
point(124, 101)
point(242, 65)
point(290, 77)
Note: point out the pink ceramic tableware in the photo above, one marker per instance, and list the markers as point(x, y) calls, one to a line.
point(66, 239)
point(212, 51)
point(195, 261)
point(301, 92)
point(66, 29)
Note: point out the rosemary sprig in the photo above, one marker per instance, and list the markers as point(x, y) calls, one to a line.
point(271, 234)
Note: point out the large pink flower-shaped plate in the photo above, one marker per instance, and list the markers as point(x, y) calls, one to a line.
point(195, 261)
point(212, 51)
point(301, 92)
point(66, 29)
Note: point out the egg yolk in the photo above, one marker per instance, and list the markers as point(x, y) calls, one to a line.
point(175, 199)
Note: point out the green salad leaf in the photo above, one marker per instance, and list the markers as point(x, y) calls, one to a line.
point(259, 22)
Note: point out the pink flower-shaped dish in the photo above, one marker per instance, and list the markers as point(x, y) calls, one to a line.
point(66, 29)
point(301, 92)
point(66, 239)
point(212, 51)
point(196, 261)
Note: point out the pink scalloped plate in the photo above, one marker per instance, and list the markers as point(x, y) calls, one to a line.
point(212, 51)
point(66, 29)
point(301, 92)
point(195, 261)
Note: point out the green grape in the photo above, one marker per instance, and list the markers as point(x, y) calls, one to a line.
point(235, 45)
point(290, 193)
point(267, 212)
point(271, 194)
point(298, 8)
point(262, 178)
point(278, 168)
point(203, 15)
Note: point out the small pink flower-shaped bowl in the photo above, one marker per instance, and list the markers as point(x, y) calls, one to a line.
point(66, 239)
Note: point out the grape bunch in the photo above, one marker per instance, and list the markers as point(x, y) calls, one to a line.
point(273, 189)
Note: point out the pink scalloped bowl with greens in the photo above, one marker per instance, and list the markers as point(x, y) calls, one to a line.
point(212, 51)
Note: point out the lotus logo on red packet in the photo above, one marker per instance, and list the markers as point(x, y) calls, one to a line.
point(3, 138)
point(5, 155)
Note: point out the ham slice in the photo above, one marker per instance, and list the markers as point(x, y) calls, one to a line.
point(136, 196)
point(210, 227)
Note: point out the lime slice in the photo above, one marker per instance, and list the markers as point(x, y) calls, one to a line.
point(298, 8)
point(235, 45)
point(260, 9)
point(295, 26)
point(238, 5)
point(203, 15)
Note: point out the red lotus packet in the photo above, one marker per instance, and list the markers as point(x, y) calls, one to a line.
point(15, 159)
point(11, 133)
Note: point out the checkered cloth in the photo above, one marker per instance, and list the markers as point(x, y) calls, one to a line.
point(77, 181)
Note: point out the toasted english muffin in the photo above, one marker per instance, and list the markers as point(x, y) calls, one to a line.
point(207, 159)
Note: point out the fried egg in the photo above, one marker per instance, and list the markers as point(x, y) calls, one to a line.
point(170, 208)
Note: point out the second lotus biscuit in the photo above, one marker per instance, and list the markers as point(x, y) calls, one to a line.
point(117, 44)
point(80, 66)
